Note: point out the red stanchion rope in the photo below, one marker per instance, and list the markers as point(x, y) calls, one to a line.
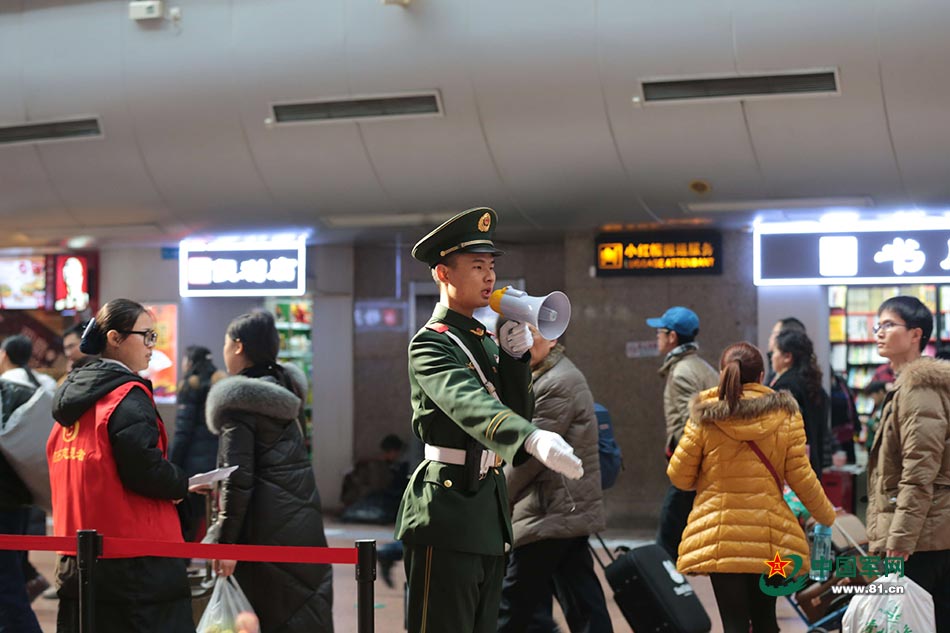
point(114, 547)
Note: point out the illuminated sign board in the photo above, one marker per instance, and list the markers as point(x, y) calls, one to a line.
point(242, 267)
point(660, 253)
point(22, 283)
point(379, 315)
point(858, 253)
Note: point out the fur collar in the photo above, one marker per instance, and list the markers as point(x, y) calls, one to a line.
point(757, 401)
point(925, 373)
point(552, 359)
point(259, 396)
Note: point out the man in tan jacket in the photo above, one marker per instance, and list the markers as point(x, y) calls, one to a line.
point(909, 461)
point(686, 374)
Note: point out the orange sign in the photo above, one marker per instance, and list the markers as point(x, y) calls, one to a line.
point(163, 368)
point(667, 252)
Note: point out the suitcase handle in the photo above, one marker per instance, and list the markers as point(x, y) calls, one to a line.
point(606, 549)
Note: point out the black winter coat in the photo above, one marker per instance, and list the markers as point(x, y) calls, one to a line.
point(814, 415)
point(271, 499)
point(141, 595)
point(194, 447)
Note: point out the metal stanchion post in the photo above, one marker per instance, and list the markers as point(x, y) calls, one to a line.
point(365, 577)
point(88, 549)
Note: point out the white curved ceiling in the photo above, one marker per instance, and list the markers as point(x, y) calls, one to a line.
point(538, 118)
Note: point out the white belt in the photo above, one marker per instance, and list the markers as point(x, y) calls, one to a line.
point(456, 457)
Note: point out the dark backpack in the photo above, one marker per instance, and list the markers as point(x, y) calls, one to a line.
point(611, 458)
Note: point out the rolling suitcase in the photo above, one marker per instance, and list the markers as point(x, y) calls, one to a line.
point(651, 594)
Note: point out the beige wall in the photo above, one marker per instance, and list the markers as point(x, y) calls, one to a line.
point(609, 312)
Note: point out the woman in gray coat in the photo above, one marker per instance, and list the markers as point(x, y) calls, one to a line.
point(271, 499)
point(552, 516)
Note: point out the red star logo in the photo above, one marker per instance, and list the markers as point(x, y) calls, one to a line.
point(777, 566)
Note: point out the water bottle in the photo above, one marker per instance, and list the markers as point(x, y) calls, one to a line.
point(820, 551)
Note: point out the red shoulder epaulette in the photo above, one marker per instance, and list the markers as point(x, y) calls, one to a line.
point(441, 328)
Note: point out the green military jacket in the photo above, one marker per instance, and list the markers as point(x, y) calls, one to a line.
point(449, 404)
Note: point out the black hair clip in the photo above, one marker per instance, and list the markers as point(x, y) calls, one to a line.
point(90, 343)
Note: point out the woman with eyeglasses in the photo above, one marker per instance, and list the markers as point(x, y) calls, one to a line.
point(109, 472)
point(908, 512)
point(271, 499)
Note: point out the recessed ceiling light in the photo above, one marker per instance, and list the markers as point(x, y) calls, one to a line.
point(778, 204)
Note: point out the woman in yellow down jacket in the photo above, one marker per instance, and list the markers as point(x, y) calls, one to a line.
point(740, 519)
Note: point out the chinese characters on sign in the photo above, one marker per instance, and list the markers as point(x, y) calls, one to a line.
point(905, 254)
point(921, 256)
point(687, 252)
point(241, 269)
point(852, 566)
point(221, 270)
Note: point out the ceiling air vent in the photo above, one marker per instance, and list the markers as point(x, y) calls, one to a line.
point(50, 131)
point(823, 82)
point(359, 108)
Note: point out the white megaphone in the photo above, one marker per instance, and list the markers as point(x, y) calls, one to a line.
point(550, 314)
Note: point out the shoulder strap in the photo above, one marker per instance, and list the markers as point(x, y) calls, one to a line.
point(758, 453)
point(478, 370)
point(29, 374)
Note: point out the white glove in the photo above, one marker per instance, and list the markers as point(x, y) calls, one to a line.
point(552, 451)
point(515, 338)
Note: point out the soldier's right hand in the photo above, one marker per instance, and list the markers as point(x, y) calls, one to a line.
point(552, 451)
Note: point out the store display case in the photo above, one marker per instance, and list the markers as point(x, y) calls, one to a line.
point(852, 315)
point(293, 317)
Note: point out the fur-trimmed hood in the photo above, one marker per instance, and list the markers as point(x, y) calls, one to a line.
point(755, 416)
point(925, 373)
point(261, 396)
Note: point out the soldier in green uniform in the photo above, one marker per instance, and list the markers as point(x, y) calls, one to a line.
point(471, 405)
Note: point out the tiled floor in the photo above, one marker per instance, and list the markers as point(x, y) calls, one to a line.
point(388, 604)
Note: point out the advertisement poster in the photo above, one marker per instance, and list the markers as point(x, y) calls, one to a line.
point(163, 368)
point(72, 283)
point(22, 283)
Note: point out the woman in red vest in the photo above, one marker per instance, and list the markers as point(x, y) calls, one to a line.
point(109, 472)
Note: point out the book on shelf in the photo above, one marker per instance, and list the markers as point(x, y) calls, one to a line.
point(837, 296)
point(859, 300)
point(839, 361)
point(859, 328)
point(836, 328)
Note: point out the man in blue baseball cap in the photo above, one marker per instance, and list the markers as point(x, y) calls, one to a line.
point(686, 374)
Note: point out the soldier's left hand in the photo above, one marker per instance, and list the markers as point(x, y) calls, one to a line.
point(515, 338)
point(552, 451)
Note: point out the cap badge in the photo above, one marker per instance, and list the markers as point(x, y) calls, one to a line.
point(484, 223)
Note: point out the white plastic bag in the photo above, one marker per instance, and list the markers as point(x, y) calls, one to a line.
point(23, 442)
point(882, 612)
point(227, 601)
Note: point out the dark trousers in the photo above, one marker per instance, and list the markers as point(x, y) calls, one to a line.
point(677, 504)
point(741, 602)
point(16, 615)
point(931, 570)
point(562, 567)
point(452, 591)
